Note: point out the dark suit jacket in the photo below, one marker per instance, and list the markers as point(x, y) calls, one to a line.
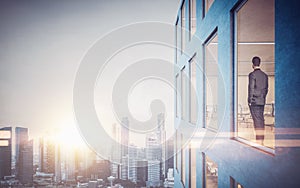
point(258, 87)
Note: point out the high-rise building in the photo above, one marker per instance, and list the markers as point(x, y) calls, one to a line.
point(25, 162)
point(216, 141)
point(21, 137)
point(161, 133)
point(47, 156)
point(153, 147)
point(5, 151)
point(124, 147)
point(132, 163)
point(124, 167)
point(142, 172)
point(169, 156)
point(154, 167)
point(58, 162)
point(115, 152)
point(154, 157)
point(124, 136)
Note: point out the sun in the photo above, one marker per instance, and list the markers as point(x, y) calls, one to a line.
point(69, 136)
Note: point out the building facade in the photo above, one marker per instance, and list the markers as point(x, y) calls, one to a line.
point(5, 151)
point(47, 156)
point(21, 138)
point(215, 143)
point(25, 165)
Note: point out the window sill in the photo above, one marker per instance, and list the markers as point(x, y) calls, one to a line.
point(265, 149)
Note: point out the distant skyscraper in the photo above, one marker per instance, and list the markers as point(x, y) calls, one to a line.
point(161, 132)
point(132, 163)
point(124, 167)
point(25, 162)
point(153, 147)
point(47, 156)
point(153, 156)
point(21, 138)
point(142, 172)
point(153, 173)
point(115, 152)
point(5, 151)
point(124, 147)
point(169, 160)
point(124, 136)
point(58, 170)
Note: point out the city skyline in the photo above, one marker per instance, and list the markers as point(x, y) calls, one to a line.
point(37, 92)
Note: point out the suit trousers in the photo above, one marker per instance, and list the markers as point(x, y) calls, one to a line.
point(257, 113)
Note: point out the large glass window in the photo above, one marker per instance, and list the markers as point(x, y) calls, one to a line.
point(211, 82)
point(211, 173)
point(192, 87)
point(254, 36)
point(193, 20)
point(177, 149)
point(177, 94)
point(178, 35)
point(183, 167)
point(183, 93)
point(183, 23)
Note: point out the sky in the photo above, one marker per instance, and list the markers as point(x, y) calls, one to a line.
point(42, 44)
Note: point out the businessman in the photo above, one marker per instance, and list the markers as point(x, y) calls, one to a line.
point(257, 92)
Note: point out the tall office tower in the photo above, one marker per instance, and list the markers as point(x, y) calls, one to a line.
point(153, 148)
point(142, 172)
point(124, 167)
point(161, 134)
point(115, 152)
point(47, 156)
point(169, 160)
point(132, 163)
point(153, 173)
point(153, 156)
point(21, 138)
point(70, 167)
point(5, 151)
point(85, 161)
point(58, 170)
point(25, 162)
point(124, 147)
point(124, 136)
point(161, 131)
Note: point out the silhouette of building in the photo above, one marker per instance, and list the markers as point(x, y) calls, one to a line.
point(21, 137)
point(5, 151)
point(142, 172)
point(124, 167)
point(47, 156)
point(169, 159)
point(132, 162)
point(25, 165)
point(124, 148)
point(115, 152)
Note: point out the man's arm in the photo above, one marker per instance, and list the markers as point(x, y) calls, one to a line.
point(251, 86)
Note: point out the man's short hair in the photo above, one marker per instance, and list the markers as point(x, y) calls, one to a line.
point(256, 61)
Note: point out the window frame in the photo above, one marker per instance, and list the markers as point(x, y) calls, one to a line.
point(192, 6)
point(183, 93)
point(192, 60)
point(183, 25)
point(177, 105)
point(204, 45)
point(234, 128)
